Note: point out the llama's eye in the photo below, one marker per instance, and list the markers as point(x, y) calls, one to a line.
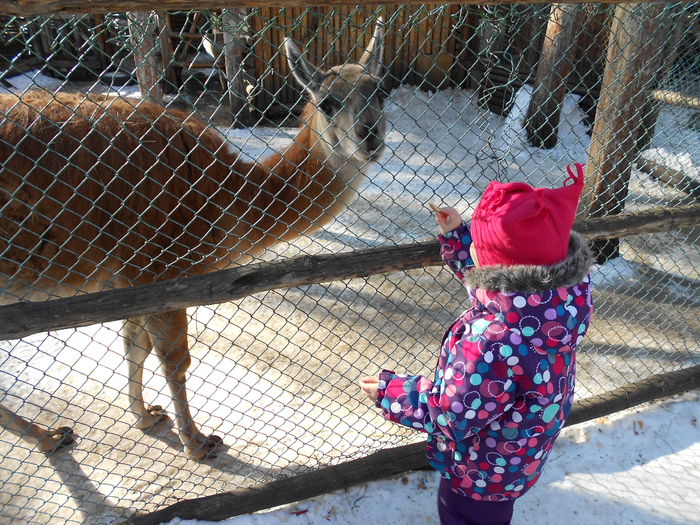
point(328, 106)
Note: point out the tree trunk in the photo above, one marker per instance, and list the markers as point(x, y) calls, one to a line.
point(558, 50)
point(533, 36)
point(144, 28)
point(234, 20)
point(633, 58)
point(674, 26)
point(167, 50)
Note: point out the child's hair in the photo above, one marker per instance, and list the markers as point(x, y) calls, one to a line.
point(515, 223)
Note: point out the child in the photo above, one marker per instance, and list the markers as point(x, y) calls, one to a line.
point(504, 383)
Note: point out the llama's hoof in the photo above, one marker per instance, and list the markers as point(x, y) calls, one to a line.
point(153, 415)
point(56, 439)
point(206, 448)
point(156, 413)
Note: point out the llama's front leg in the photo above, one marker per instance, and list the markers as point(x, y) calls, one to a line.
point(45, 439)
point(169, 333)
point(137, 347)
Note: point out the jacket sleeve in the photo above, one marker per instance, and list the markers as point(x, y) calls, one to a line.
point(403, 399)
point(454, 249)
point(457, 404)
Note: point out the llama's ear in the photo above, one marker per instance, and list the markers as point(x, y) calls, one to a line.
point(304, 72)
point(373, 57)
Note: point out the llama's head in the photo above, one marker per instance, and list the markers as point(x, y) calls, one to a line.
point(348, 115)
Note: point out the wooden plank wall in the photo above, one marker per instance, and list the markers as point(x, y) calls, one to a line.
point(422, 44)
point(431, 45)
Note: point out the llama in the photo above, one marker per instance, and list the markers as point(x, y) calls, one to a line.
point(98, 194)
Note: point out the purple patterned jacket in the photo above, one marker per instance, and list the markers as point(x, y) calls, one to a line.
point(504, 383)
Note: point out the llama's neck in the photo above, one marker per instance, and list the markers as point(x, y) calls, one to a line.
point(310, 180)
point(284, 196)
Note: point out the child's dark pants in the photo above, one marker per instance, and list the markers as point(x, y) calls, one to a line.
point(454, 509)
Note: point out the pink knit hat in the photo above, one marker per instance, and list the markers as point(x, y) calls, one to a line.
point(515, 223)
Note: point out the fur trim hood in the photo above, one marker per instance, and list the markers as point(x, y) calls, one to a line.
point(532, 279)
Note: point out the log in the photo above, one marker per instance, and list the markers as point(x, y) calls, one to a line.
point(558, 50)
point(391, 462)
point(676, 99)
point(24, 319)
point(29, 8)
point(633, 394)
point(653, 220)
point(143, 28)
point(674, 27)
point(379, 465)
point(536, 19)
point(631, 62)
point(629, 67)
point(167, 50)
point(673, 178)
point(235, 70)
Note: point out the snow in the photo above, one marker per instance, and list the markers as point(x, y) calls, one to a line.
point(638, 466)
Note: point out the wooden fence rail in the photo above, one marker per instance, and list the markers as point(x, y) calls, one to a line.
point(23, 319)
point(42, 7)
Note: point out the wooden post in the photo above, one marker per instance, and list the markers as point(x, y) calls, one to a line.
point(558, 50)
point(144, 28)
point(674, 27)
point(234, 21)
point(165, 22)
point(633, 57)
point(533, 36)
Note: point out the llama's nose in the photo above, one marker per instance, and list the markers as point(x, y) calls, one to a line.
point(371, 138)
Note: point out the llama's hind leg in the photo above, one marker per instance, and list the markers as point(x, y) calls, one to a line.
point(46, 440)
point(169, 333)
point(137, 347)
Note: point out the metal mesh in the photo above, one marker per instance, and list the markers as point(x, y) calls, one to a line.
point(275, 374)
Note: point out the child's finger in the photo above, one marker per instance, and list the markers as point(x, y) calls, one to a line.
point(441, 214)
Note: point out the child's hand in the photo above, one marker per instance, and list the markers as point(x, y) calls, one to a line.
point(447, 218)
point(369, 386)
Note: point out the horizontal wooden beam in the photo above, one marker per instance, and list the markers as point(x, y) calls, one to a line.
point(45, 7)
point(652, 220)
point(379, 465)
point(24, 319)
point(676, 99)
point(675, 179)
point(391, 462)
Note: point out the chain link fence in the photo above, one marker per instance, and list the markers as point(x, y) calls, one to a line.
point(274, 374)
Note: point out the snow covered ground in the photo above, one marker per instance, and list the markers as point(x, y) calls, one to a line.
point(640, 466)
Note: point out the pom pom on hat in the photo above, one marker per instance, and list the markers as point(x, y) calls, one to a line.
point(515, 223)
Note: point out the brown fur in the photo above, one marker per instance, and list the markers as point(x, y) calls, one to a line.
point(131, 166)
point(96, 193)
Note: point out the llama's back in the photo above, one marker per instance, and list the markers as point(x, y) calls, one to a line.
point(96, 193)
